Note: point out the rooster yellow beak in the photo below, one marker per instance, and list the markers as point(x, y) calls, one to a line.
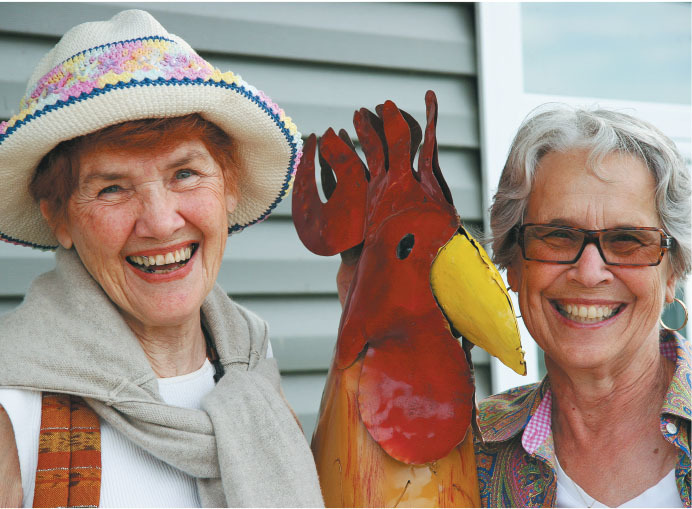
point(473, 297)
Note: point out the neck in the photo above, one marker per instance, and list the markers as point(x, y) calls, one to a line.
point(604, 419)
point(172, 350)
point(592, 402)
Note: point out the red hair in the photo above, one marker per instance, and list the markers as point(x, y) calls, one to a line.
point(57, 175)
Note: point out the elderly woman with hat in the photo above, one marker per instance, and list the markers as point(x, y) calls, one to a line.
point(592, 221)
point(127, 376)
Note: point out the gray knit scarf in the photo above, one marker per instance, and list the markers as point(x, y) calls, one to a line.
point(244, 448)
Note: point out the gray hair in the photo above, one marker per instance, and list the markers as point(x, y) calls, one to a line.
point(560, 129)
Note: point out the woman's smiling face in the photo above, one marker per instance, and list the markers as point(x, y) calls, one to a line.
point(151, 228)
point(626, 301)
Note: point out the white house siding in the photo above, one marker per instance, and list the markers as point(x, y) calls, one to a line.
point(320, 62)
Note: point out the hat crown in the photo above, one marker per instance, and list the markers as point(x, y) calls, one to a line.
point(124, 26)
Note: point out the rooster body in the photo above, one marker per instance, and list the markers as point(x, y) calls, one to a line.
point(355, 471)
point(395, 421)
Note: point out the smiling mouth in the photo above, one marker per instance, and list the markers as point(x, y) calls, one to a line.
point(163, 263)
point(581, 313)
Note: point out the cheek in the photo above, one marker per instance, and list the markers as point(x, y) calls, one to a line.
point(646, 284)
point(207, 212)
point(104, 229)
point(532, 279)
point(533, 283)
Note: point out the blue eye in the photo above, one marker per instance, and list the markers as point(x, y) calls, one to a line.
point(109, 190)
point(183, 174)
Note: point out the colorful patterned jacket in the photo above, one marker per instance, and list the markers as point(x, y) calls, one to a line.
point(516, 461)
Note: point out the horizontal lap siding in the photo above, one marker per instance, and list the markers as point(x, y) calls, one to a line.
point(319, 62)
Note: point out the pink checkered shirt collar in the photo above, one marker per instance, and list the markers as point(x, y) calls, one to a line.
point(538, 429)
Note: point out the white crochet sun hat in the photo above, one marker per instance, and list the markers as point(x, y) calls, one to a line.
point(130, 68)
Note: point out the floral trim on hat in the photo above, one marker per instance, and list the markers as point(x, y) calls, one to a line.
point(121, 62)
point(291, 133)
point(143, 62)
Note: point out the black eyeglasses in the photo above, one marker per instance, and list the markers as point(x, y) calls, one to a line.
point(634, 247)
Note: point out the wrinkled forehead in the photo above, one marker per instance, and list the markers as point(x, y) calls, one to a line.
point(127, 161)
point(567, 188)
point(153, 143)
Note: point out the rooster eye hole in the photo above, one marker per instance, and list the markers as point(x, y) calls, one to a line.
point(405, 246)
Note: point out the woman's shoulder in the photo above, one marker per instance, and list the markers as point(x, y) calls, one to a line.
point(10, 476)
point(510, 400)
point(503, 416)
point(22, 409)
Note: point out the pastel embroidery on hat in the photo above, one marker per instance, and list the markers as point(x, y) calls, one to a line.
point(130, 68)
point(122, 62)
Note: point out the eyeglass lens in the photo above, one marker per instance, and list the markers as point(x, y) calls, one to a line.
point(618, 246)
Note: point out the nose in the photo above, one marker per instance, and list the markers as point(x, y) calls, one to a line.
point(590, 269)
point(159, 215)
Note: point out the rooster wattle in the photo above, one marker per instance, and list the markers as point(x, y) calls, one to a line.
point(395, 419)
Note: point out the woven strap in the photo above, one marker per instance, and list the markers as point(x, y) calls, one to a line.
point(69, 454)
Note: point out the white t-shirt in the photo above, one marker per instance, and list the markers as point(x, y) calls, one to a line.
point(130, 476)
point(663, 494)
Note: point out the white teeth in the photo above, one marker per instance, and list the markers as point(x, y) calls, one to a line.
point(587, 314)
point(177, 256)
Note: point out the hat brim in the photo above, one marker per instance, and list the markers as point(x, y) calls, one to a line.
point(266, 148)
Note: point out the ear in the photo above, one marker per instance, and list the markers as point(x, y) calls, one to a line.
point(514, 275)
point(58, 225)
point(670, 287)
point(231, 202)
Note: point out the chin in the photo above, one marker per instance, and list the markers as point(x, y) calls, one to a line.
point(173, 319)
point(580, 355)
point(168, 314)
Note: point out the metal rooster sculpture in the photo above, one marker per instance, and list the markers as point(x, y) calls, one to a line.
point(395, 419)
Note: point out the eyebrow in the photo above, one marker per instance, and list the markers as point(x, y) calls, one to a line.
point(572, 224)
point(559, 221)
point(109, 176)
point(103, 176)
point(184, 160)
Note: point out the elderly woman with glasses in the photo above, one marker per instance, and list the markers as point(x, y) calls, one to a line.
point(592, 222)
